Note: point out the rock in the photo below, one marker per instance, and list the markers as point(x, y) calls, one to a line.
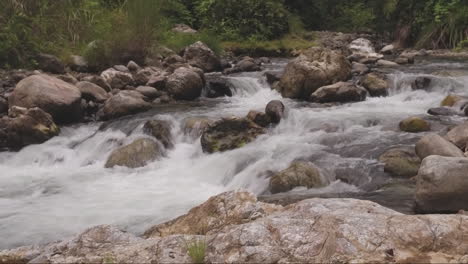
point(362, 47)
point(67, 78)
point(386, 63)
point(201, 56)
point(58, 98)
point(3, 105)
point(273, 76)
point(117, 79)
point(314, 68)
point(401, 162)
point(298, 174)
point(161, 130)
point(459, 136)
point(421, 83)
point(149, 92)
point(195, 126)
point(228, 134)
point(442, 184)
point(342, 92)
point(415, 125)
point(135, 155)
point(375, 84)
point(133, 66)
point(404, 60)
point(78, 63)
point(124, 103)
point(434, 144)
point(184, 84)
point(275, 111)
point(174, 61)
point(50, 63)
point(121, 68)
point(247, 64)
point(92, 92)
point(389, 49)
point(98, 80)
point(259, 118)
point(218, 87)
point(182, 28)
point(452, 100)
point(142, 76)
point(24, 127)
point(359, 68)
point(442, 111)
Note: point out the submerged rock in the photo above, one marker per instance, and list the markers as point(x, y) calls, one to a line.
point(434, 144)
point(259, 118)
point(415, 125)
point(375, 84)
point(421, 83)
point(442, 111)
point(124, 103)
point(300, 173)
point(229, 133)
point(137, 154)
point(275, 111)
point(401, 162)
point(161, 130)
point(342, 92)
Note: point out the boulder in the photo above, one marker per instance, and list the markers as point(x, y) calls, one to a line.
point(273, 76)
point(421, 83)
point(375, 84)
point(275, 111)
point(415, 125)
point(78, 63)
point(459, 136)
point(442, 111)
point(259, 118)
point(149, 92)
point(434, 144)
point(386, 63)
point(92, 92)
point(182, 28)
point(442, 185)
point(142, 76)
point(229, 133)
point(342, 92)
point(218, 87)
point(195, 126)
point(121, 68)
point(161, 130)
point(314, 68)
point(3, 105)
point(184, 84)
point(117, 79)
point(404, 60)
point(58, 98)
point(359, 68)
point(401, 162)
point(50, 63)
point(23, 127)
point(389, 49)
point(247, 64)
point(300, 173)
point(67, 78)
point(452, 100)
point(124, 103)
point(201, 56)
point(97, 80)
point(137, 154)
point(133, 66)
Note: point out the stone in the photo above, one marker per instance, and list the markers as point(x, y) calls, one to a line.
point(78, 63)
point(149, 92)
point(97, 80)
point(388, 49)
point(259, 118)
point(56, 97)
point(50, 63)
point(228, 134)
point(275, 111)
point(124, 103)
point(459, 136)
point(23, 127)
point(442, 111)
point(342, 92)
point(67, 78)
point(314, 68)
point(375, 84)
point(421, 83)
point(298, 174)
point(434, 144)
point(137, 154)
point(201, 56)
point(183, 28)
point(92, 92)
point(247, 64)
point(218, 87)
point(133, 66)
point(195, 126)
point(404, 60)
point(273, 76)
point(415, 125)
point(442, 184)
point(401, 162)
point(121, 68)
point(359, 68)
point(117, 79)
point(451, 100)
point(160, 130)
point(184, 84)
point(386, 63)
point(3, 105)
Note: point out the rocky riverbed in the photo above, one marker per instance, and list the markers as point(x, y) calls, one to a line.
point(345, 146)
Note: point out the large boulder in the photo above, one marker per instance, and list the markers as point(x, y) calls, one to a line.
point(314, 68)
point(201, 56)
point(117, 79)
point(275, 111)
point(375, 84)
point(300, 173)
point(342, 92)
point(459, 136)
point(50, 63)
point(58, 98)
point(124, 103)
point(415, 125)
point(401, 162)
point(184, 84)
point(229, 133)
point(137, 154)
point(24, 127)
point(161, 130)
point(442, 185)
point(97, 80)
point(92, 92)
point(434, 144)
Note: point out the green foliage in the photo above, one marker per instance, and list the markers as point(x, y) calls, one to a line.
point(196, 249)
point(355, 17)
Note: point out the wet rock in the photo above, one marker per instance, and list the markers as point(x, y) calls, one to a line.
point(184, 84)
point(404, 60)
point(247, 64)
point(401, 162)
point(92, 92)
point(434, 144)
point(386, 63)
point(389, 49)
point(133, 66)
point(275, 111)
point(124, 103)
point(259, 118)
point(421, 83)
point(459, 136)
point(135, 155)
point(56, 97)
point(451, 100)
point(342, 92)
point(359, 68)
point(78, 63)
point(228, 134)
point(415, 125)
point(442, 111)
point(195, 126)
point(183, 28)
point(97, 80)
point(161, 130)
point(218, 87)
point(50, 63)
point(298, 174)
point(442, 184)
point(149, 92)
point(375, 84)
point(273, 76)
point(201, 56)
point(314, 68)
point(23, 127)
point(117, 79)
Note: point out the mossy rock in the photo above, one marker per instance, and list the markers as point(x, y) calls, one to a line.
point(401, 162)
point(137, 154)
point(300, 173)
point(415, 125)
point(451, 100)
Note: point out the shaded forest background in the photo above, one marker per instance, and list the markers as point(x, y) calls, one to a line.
point(104, 31)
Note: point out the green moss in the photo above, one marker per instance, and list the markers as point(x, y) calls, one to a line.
point(415, 125)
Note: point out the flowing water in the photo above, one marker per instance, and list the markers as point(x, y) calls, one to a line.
point(53, 190)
